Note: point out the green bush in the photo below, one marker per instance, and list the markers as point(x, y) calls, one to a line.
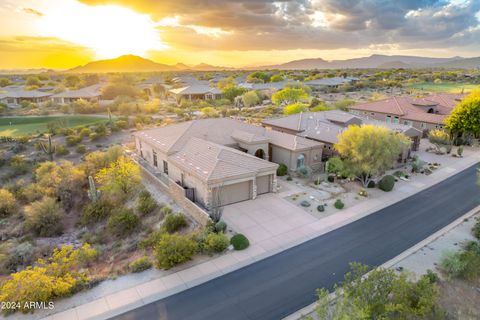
point(220, 226)
point(123, 223)
point(81, 148)
point(146, 204)
point(174, 222)
point(371, 184)
point(463, 264)
point(61, 150)
point(166, 210)
point(320, 208)
point(216, 242)
point(97, 211)
point(151, 240)
point(282, 170)
point(239, 242)
point(44, 217)
point(476, 230)
point(331, 178)
point(386, 183)
point(73, 140)
point(339, 204)
point(173, 249)
point(8, 203)
point(141, 264)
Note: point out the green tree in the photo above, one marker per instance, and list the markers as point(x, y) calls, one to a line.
point(5, 82)
point(290, 95)
point(465, 118)
point(382, 294)
point(72, 81)
point(368, 151)
point(258, 77)
point(33, 81)
point(231, 92)
point(344, 104)
point(250, 98)
point(276, 78)
point(295, 108)
point(122, 176)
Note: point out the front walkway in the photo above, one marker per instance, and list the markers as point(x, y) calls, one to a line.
point(271, 224)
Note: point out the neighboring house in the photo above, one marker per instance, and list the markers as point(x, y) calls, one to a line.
point(330, 82)
point(421, 113)
point(153, 85)
point(196, 92)
point(90, 93)
point(325, 127)
point(269, 86)
point(14, 95)
point(223, 157)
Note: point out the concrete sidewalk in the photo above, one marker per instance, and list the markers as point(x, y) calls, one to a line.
point(138, 295)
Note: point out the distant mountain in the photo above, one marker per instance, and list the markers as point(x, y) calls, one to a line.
point(127, 63)
point(377, 61)
point(208, 67)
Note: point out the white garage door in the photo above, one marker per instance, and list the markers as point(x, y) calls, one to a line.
point(235, 193)
point(263, 184)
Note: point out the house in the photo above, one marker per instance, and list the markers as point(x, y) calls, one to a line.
point(91, 93)
point(225, 157)
point(15, 95)
point(325, 127)
point(196, 92)
point(334, 82)
point(422, 113)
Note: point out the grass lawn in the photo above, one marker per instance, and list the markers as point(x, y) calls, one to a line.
point(21, 126)
point(450, 87)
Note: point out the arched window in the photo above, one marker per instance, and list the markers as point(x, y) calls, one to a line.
point(260, 154)
point(301, 161)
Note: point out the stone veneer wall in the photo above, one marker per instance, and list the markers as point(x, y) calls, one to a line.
point(178, 194)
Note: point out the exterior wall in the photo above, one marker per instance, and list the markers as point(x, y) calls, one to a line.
point(252, 148)
point(280, 129)
point(189, 181)
point(313, 157)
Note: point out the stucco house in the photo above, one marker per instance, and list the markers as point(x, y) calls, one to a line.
point(223, 161)
point(422, 113)
point(325, 127)
point(14, 95)
point(196, 92)
point(91, 93)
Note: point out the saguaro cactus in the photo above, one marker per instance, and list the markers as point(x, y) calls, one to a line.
point(48, 149)
point(110, 122)
point(93, 193)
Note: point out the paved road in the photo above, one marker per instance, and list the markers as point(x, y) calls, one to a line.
point(278, 286)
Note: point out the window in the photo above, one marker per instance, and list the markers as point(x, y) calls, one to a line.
point(388, 119)
point(155, 161)
point(423, 125)
point(165, 167)
point(300, 161)
point(407, 123)
point(396, 120)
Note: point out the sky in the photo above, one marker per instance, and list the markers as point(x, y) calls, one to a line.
point(62, 34)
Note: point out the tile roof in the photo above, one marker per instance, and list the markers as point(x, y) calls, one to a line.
point(415, 109)
point(87, 92)
point(196, 89)
point(212, 162)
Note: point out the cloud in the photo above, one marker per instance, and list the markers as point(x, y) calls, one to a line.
point(311, 24)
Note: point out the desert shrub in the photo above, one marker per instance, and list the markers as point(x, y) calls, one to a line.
point(289, 178)
point(220, 226)
point(320, 208)
point(371, 184)
point(463, 264)
point(81, 148)
point(282, 170)
point(18, 165)
point(432, 276)
point(7, 203)
point(174, 222)
point(363, 193)
point(145, 203)
point(476, 230)
point(123, 223)
point(97, 211)
point(141, 264)
point(216, 242)
point(339, 204)
point(61, 150)
point(151, 240)
point(73, 140)
point(173, 249)
point(386, 183)
point(304, 172)
point(239, 242)
point(166, 210)
point(44, 217)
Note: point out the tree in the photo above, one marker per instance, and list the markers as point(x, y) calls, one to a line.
point(115, 90)
point(44, 217)
point(368, 151)
point(382, 294)
point(5, 82)
point(290, 95)
point(344, 104)
point(209, 112)
point(258, 77)
point(231, 92)
point(122, 176)
point(439, 138)
point(33, 81)
point(72, 81)
point(276, 78)
point(250, 98)
point(465, 118)
point(295, 108)
point(55, 277)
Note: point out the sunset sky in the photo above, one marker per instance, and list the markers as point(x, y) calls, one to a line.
point(66, 33)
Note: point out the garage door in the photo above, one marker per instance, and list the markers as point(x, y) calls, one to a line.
point(235, 193)
point(263, 184)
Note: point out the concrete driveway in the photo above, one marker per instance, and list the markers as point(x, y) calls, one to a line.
point(269, 220)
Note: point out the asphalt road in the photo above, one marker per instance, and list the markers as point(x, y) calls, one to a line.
point(278, 286)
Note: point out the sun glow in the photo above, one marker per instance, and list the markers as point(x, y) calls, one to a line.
point(109, 30)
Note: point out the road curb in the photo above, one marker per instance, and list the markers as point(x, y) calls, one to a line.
point(311, 308)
